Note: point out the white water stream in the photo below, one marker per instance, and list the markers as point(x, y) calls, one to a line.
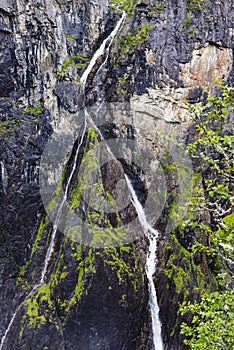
point(50, 249)
point(150, 233)
point(105, 46)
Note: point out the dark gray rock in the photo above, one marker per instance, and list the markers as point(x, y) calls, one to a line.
point(8, 5)
point(94, 299)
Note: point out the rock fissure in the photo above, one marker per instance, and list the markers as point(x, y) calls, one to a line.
point(164, 56)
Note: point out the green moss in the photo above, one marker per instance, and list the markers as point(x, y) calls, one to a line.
point(156, 9)
point(124, 92)
point(80, 57)
point(76, 250)
point(63, 275)
point(127, 5)
point(195, 5)
point(132, 40)
point(39, 308)
point(8, 126)
point(43, 234)
point(125, 271)
point(93, 136)
point(188, 20)
point(190, 32)
point(121, 89)
point(22, 281)
point(179, 268)
point(178, 275)
point(121, 80)
point(42, 229)
point(57, 274)
point(89, 184)
point(79, 289)
point(68, 62)
point(77, 61)
point(168, 167)
point(90, 163)
point(71, 37)
point(34, 109)
point(84, 268)
point(85, 262)
point(22, 329)
point(57, 195)
point(110, 199)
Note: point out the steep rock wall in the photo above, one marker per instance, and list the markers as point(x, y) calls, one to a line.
point(45, 46)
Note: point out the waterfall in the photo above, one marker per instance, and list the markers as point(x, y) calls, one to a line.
point(4, 177)
point(153, 302)
point(149, 231)
point(50, 249)
point(152, 235)
point(105, 46)
point(15, 314)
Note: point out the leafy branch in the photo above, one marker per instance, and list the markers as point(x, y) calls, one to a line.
point(211, 214)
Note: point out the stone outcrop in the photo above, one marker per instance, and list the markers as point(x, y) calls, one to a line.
point(167, 52)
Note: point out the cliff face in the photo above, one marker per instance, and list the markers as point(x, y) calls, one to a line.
point(95, 295)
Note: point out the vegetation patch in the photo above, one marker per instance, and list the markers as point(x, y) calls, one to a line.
point(212, 323)
point(126, 5)
point(180, 267)
point(8, 126)
point(157, 9)
point(195, 5)
point(132, 40)
point(212, 219)
point(71, 37)
point(34, 109)
point(188, 20)
point(77, 61)
point(39, 309)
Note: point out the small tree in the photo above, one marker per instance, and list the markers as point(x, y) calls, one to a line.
point(213, 322)
point(213, 151)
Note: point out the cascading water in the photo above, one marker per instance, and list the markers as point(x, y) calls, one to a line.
point(50, 249)
point(4, 177)
point(152, 235)
point(105, 46)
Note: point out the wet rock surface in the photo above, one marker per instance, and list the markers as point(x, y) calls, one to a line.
point(98, 298)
